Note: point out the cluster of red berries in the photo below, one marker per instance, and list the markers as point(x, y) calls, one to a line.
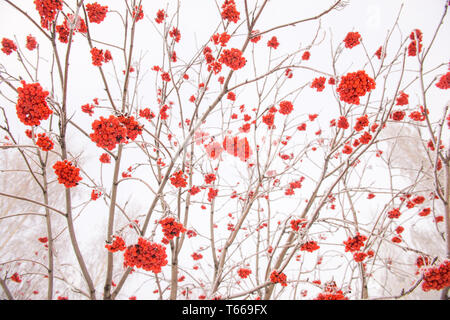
point(160, 16)
point(88, 108)
point(402, 99)
point(237, 147)
point(354, 85)
point(415, 46)
point(146, 113)
point(352, 39)
point(95, 194)
point(437, 278)
point(96, 12)
point(31, 43)
point(178, 179)
point(171, 228)
point(221, 38)
point(229, 11)
point(273, 43)
point(210, 178)
point(244, 272)
point(379, 52)
point(361, 123)
point(175, 34)
point(8, 46)
point(44, 142)
point(278, 277)
point(31, 105)
point(354, 244)
point(286, 107)
point(394, 213)
point(269, 119)
point(117, 245)
point(294, 185)
point(196, 256)
point(233, 58)
point(212, 193)
point(398, 115)
point(444, 81)
point(297, 224)
point(47, 10)
point(319, 83)
point(331, 292)
point(146, 255)
point(99, 56)
point(108, 132)
point(310, 246)
point(105, 158)
point(138, 13)
point(16, 278)
point(67, 174)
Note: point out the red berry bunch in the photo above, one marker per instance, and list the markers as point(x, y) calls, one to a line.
point(146, 113)
point(233, 58)
point(67, 174)
point(96, 12)
point(44, 142)
point(221, 38)
point(178, 179)
point(171, 228)
point(16, 278)
point(354, 85)
point(229, 11)
point(361, 123)
point(319, 83)
point(273, 43)
point(394, 213)
point(278, 277)
point(132, 126)
point(310, 246)
point(8, 46)
point(105, 158)
point(108, 132)
point(352, 39)
point(160, 16)
point(415, 46)
point(268, 119)
point(354, 244)
point(196, 256)
point(444, 81)
point(31, 105)
point(114, 130)
point(146, 255)
point(117, 245)
point(297, 224)
point(210, 178)
point(402, 99)
point(99, 56)
point(437, 278)
point(140, 13)
point(286, 107)
point(244, 272)
point(47, 10)
point(343, 123)
point(31, 42)
point(212, 193)
point(331, 292)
